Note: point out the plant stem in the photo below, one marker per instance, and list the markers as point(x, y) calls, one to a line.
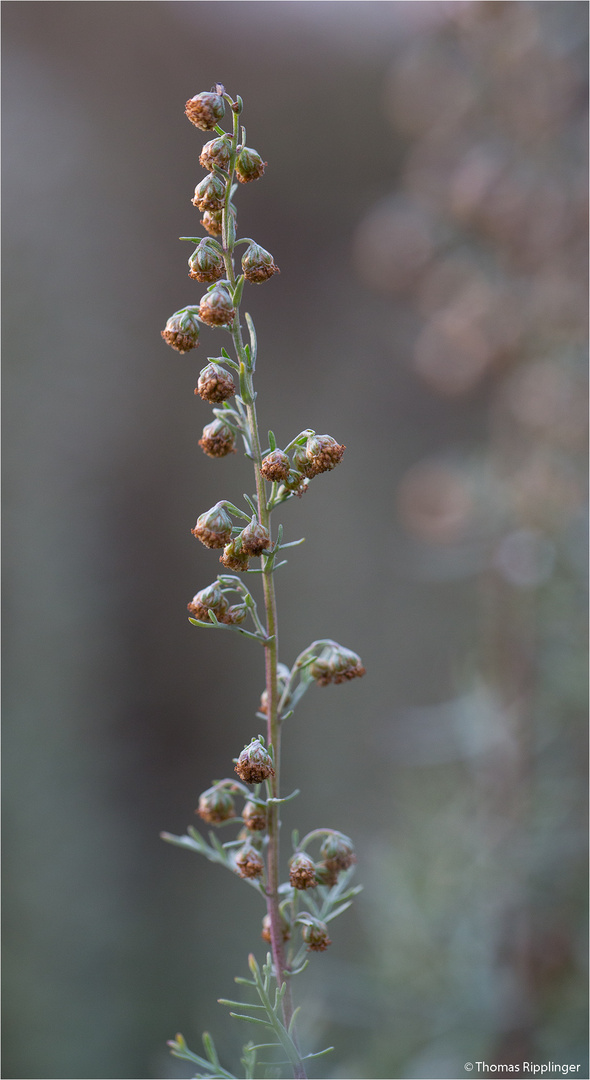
point(271, 646)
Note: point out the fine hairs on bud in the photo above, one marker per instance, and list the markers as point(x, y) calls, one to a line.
point(242, 600)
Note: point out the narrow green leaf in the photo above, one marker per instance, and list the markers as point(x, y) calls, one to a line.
point(272, 442)
point(251, 1019)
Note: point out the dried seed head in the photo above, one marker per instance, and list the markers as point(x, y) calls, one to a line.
point(215, 384)
point(216, 307)
point(216, 805)
point(336, 665)
point(249, 862)
point(315, 935)
point(216, 153)
point(254, 817)
point(205, 110)
point(234, 557)
point(302, 872)
point(285, 928)
point(213, 528)
point(209, 599)
point(182, 331)
point(206, 264)
point(275, 466)
point(337, 851)
point(323, 453)
point(258, 264)
point(210, 193)
point(218, 440)
point(255, 538)
point(254, 763)
point(249, 165)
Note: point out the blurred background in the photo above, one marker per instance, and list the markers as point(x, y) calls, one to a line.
point(425, 199)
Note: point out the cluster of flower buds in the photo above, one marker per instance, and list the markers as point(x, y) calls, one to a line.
point(206, 262)
point(215, 384)
point(254, 763)
point(214, 527)
point(315, 935)
point(335, 665)
point(321, 453)
point(249, 862)
point(217, 440)
point(302, 871)
point(182, 330)
point(216, 805)
point(258, 264)
point(206, 110)
point(213, 600)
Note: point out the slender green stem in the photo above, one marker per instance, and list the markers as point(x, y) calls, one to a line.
point(271, 646)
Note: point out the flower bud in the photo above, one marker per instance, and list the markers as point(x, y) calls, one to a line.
point(234, 557)
point(218, 439)
point(205, 110)
point(249, 862)
point(326, 875)
point(215, 384)
point(216, 805)
point(283, 676)
point(258, 264)
point(323, 453)
point(216, 307)
point(209, 599)
point(182, 331)
point(254, 763)
point(302, 872)
point(210, 193)
point(206, 264)
point(336, 665)
point(255, 538)
point(337, 851)
point(275, 466)
point(236, 614)
point(254, 817)
point(285, 928)
point(213, 529)
point(212, 221)
point(315, 935)
point(216, 153)
point(249, 165)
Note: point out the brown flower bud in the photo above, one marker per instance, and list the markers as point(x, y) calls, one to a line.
point(182, 331)
point(249, 165)
point(210, 193)
point(254, 817)
point(205, 110)
point(236, 614)
point(206, 264)
point(326, 875)
point(216, 307)
point(217, 440)
point(323, 453)
point(212, 221)
point(215, 384)
point(337, 851)
point(213, 528)
point(255, 538)
point(315, 935)
point(234, 557)
point(216, 805)
point(258, 265)
point(254, 763)
point(249, 862)
point(285, 928)
point(209, 599)
point(275, 466)
point(302, 872)
point(216, 153)
point(336, 665)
